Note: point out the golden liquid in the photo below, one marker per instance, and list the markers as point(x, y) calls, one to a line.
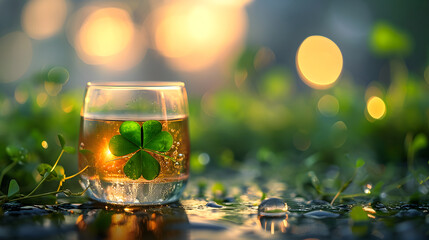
point(95, 135)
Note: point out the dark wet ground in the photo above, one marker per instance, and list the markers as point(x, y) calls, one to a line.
point(198, 218)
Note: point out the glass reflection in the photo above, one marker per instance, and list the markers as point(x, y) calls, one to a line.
point(158, 222)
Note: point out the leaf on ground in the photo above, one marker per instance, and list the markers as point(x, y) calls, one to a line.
point(357, 214)
point(133, 168)
point(132, 132)
point(120, 146)
point(13, 188)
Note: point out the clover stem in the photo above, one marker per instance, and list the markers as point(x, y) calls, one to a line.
point(74, 175)
point(158, 153)
point(6, 169)
point(50, 193)
point(46, 176)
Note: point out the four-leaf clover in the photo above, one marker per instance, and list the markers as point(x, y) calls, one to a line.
point(139, 141)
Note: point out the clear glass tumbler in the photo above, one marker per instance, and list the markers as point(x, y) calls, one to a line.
point(134, 139)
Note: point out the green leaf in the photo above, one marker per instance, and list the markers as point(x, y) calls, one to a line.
point(13, 188)
point(133, 168)
point(58, 75)
point(12, 151)
point(17, 154)
point(44, 170)
point(69, 149)
point(162, 142)
point(132, 132)
point(151, 167)
point(357, 214)
point(150, 129)
point(120, 146)
point(62, 140)
point(59, 172)
point(419, 142)
point(156, 139)
point(360, 162)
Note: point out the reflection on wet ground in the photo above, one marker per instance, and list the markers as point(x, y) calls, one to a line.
point(243, 217)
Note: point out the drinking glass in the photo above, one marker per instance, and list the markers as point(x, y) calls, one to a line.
point(134, 142)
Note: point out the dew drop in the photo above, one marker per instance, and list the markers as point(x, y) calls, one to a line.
point(272, 207)
point(180, 157)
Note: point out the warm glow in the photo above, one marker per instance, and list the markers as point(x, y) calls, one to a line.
point(376, 107)
point(107, 36)
point(44, 144)
point(15, 58)
point(319, 62)
point(106, 32)
point(328, 105)
point(42, 19)
point(194, 35)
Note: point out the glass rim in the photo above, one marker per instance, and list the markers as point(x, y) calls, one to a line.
point(136, 84)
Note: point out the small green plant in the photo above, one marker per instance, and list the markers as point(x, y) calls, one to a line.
point(48, 173)
point(138, 142)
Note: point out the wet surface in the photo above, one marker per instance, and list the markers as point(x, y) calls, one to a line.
point(242, 217)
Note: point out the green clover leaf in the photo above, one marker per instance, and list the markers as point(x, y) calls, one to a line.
point(138, 141)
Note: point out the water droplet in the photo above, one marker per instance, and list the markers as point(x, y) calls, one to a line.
point(320, 214)
point(213, 205)
point(367, 188)
point(180, 157)
point(272, 207)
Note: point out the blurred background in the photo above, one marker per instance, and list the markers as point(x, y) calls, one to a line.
point(261, 107)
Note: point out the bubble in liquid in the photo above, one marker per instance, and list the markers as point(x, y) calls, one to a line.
point(180, 157)
point(177, 165)
point(272, 207)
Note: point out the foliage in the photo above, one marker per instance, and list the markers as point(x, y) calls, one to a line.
point(139, 142)
point(47, 172)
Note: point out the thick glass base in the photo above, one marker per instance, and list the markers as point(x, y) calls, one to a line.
point(130, 193)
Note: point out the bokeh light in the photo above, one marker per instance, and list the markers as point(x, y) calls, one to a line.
point(44, 144)
point(319, 62)
point(15, 58)
point(328, 105)
point(21, 94)
point(41, 99)
point(376, 107)
point(107, 36)
point(42, 19)
point(194, 35)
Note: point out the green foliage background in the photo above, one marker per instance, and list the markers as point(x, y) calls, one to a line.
point(266, 127)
